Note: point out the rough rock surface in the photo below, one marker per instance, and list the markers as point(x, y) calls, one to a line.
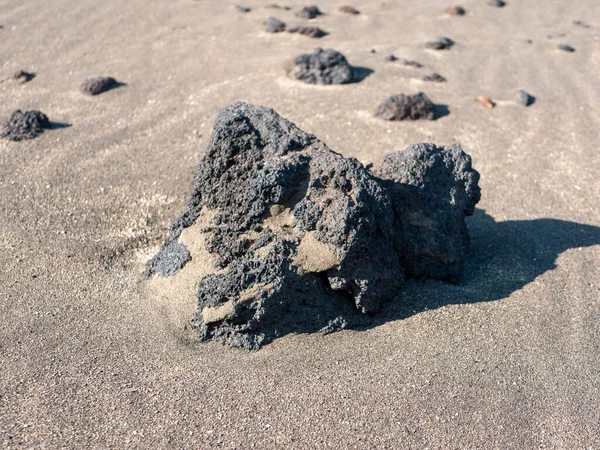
point(441, 43)
point(323, 67)
point(95, 86)
point(274, 25)
point(309, 12)
point(24, 125)
point(305, 239)
point(406, 107)
point(314, 32)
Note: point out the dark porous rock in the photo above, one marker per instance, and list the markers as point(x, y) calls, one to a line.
point(566, 48)
point(349, 10)
point(525, 98)
point(242, 8)
point(433, 190)
point(391, 58)
point(441, 43)
point(24, 125)
point(309, 12)
point(455, 11)
point(284, 235)
point(435, 77)
point(22, 76)
point(408, 62)
point(314, 32)
point(406, 107)
point(323, 67)
point(274, 25)
point(95, 86)
point(497, 3)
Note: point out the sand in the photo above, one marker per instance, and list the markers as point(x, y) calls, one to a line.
point(509, 358)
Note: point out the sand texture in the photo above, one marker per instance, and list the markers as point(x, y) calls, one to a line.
point(92, 355)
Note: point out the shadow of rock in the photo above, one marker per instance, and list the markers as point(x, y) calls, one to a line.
point(504, 257)
point(58, 125)
point(440, 111)
point(360, 73)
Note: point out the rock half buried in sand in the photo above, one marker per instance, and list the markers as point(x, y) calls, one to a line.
point(23, 125)
point(406, 107)
point(525, 98)
point(441, 43)
point(323, 67)
point(293, 237)
point(309, 12)
point(435, 77)
point(314, 32)
point(95, 86)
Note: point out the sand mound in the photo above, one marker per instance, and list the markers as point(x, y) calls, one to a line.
point(302, 236)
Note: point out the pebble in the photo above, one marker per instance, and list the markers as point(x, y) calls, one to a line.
point(525, 98)
point(566, 48)
point(436, 77)
point(441, 43)
point(274, 25)
point(456, 11)
point(309, 12)
point(349, 10)
point(485, 101)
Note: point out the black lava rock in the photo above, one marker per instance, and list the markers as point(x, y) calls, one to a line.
point(24, 125)
point(525, 98)
point(305, 238)
point(274, 25)
point(323, 67)
point(406, 107)
point(435, 77)
point(441, 43)
point(309, 12)
point(95, 86)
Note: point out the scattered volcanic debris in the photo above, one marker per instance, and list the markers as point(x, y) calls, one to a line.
point(95, 86)
point(441, 43)
point(456, 11)
point(23, 125)
point(406, 107)
point(525, 98)
point(293, 237)
point(435, 77)
point(274, 25)
point(349, 10)
point(485, 101)
point(323, 67)
point(309, 12)
point(314, 32)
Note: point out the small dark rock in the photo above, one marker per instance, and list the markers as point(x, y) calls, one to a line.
point(323, 67)
point(22, 76)
point(406, 107)
point(309, 12)
point(95, 86)
point(455, 11)
point(391, 58)
point(566, 48)
point(349, 10)
point(243, 9)
point(436, 77)
point(497, 3)
point(408, 62)
point(525, 98)
point(278, 6)
point(441, 43)
point(274, 25)
point(314, 32)
point(373, 50)
point(25, 125)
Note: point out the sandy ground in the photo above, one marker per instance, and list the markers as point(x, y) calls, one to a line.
point(90, 357)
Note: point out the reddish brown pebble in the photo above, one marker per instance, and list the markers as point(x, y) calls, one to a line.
point(485, 101)
point(314, 32)
point(456, 11)
point(349, 10)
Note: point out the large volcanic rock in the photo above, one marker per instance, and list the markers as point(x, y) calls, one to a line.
point(323, 67)
point(293, 237)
